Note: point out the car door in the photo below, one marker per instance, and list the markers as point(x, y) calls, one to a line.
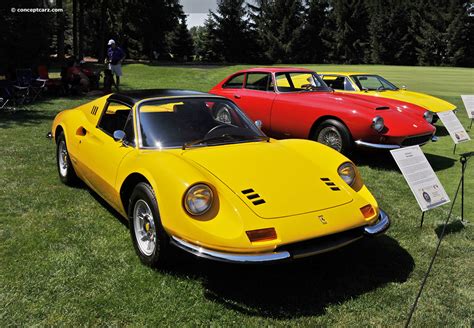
point(257, 96)
point(100, 155)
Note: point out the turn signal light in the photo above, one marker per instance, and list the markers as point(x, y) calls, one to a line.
point(367, 211)
point(262, 234)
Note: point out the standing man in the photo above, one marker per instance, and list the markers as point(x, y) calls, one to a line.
point(115, 57)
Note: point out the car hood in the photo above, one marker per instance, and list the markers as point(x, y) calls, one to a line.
point(428, 102)
point(285, 182)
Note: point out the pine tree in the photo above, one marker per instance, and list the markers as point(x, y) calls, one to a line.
point(232, 30)
point(181, 42)
point(314, 37)
point(351, 35)
point(279, 24)
point(459, 35)
point(211, 45)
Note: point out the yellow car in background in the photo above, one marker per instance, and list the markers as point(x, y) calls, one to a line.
point(219, 189)
point(375, 85)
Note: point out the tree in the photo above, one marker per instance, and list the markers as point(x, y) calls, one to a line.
point(232, 30)
point(279, 24)
point(180, 41)
point(351, 35)
point(315, 36)
point(459, 35)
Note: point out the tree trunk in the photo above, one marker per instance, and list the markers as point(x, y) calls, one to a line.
point(60, 33)
point(74, 27)
point(102, 27)
point(81, 28)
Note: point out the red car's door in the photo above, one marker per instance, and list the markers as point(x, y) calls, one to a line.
point(256, 98)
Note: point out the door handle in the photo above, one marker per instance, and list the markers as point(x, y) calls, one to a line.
point(237, 96)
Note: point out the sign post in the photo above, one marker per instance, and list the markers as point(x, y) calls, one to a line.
point(468, 101)
point(422, 180)
point(454, 127)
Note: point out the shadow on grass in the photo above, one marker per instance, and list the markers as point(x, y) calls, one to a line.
point(383, 160)
point(301, 288)
point(453, 227)
point(23, 117)
point(441, 131)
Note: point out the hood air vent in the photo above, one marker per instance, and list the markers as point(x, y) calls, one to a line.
point(382, 108)
point(330, 184)
point(253, 196)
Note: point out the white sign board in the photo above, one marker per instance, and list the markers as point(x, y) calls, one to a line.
point(468, 101)
point(421, 178)
point(454, 126)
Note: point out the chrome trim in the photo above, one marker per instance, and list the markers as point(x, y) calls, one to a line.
point(49, 135)
point(229, 257)
point(382, 224)
point(378, 146)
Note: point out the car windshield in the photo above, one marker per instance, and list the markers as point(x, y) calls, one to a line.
point(373, 82)
point(191, 122)
point(300, 81)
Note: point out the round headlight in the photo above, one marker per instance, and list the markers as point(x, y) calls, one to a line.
point(378, 124)
point(428, 116)
point(198, 199)
point(347, 172)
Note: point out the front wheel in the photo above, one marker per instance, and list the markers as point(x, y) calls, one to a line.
point(66, 172)
point(334, 134)
point(149, 239)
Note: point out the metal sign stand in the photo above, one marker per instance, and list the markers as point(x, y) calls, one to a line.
point(422, 219)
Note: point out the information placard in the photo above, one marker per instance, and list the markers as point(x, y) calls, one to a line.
point(468, 101)
point(454, 126)
point(421, 178)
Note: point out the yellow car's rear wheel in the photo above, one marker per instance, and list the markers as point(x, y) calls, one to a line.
point(149, 239)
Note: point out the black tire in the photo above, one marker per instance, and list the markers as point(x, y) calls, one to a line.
point(65, 169)
point(334, 129)
point(159, 255)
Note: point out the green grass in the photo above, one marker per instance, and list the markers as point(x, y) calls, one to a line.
point(66, 259)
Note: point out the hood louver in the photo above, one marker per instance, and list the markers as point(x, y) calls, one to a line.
point(330, 184)
point(253, 196)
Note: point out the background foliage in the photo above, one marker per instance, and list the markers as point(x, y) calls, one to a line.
point(262, 31)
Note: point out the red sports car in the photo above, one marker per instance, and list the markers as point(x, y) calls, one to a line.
point(296, 103)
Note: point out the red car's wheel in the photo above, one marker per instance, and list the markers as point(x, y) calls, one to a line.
point(334, 134)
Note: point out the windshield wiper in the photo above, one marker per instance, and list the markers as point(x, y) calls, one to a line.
point(224, 136)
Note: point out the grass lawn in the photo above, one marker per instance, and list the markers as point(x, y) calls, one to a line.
point(66, 259)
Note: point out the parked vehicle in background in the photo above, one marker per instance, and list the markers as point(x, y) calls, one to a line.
point(296, 103)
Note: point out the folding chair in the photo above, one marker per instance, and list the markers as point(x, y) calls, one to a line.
point(24, 79)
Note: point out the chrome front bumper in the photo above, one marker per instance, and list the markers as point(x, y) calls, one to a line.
point(294, 251)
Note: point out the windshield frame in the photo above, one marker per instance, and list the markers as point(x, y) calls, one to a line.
point(355, 77)
point(313, 73)
point(260, 136)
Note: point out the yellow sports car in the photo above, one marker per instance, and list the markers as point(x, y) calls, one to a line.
point(375, 85)
point(219, 189)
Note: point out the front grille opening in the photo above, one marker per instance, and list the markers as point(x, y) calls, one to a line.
point(418, 140)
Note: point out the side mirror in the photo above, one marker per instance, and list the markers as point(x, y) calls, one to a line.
point(119, 135)
point(404, 87)
point(258, 124)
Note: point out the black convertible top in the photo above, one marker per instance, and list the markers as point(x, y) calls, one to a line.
point(133, 96)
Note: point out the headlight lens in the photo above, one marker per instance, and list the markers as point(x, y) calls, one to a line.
point(378, 123)
point(198, 199)
point(347, 172)
point(428, 116)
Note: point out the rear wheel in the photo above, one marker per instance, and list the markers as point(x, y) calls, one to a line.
point(149, 239)
point(66, 172)
point(334, 134)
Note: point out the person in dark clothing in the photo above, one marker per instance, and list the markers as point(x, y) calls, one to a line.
point(115, 56)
